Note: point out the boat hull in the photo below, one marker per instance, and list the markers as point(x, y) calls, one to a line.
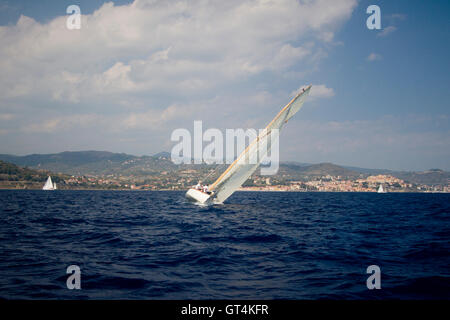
point(197, 195)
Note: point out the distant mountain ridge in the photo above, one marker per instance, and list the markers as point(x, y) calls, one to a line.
point(105, 163)
point(71, 162)
point(69, 157)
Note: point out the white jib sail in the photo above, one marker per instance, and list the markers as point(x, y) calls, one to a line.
point(249, 160)
point(48, 184)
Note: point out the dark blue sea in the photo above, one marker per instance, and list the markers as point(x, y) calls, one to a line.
point(259, 245)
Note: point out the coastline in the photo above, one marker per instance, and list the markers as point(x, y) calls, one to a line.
point(242, 190)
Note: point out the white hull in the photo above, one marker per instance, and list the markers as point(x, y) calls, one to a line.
point(197, 195)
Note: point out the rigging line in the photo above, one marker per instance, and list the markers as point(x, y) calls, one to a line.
point(214, 171)
point(213, 186)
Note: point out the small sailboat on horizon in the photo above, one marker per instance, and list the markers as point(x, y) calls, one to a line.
point(49, 185)
point(380, 189)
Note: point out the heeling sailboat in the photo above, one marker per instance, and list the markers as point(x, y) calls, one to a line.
point(49, 185)
point(241, 169)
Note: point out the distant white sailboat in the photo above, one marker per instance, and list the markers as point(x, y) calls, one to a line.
point(239, 171)
point(380, 189)
point(49, 185)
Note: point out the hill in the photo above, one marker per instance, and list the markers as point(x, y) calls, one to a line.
point(75, 162)
point(104, 163)
point(13, 176)
point(328, 169)
point(12, 172)
point(429, 177)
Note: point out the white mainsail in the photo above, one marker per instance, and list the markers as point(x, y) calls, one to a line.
point(380, 189)
point(48, 184)
point(241, 169)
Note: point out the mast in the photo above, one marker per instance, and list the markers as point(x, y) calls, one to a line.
point(246, 170)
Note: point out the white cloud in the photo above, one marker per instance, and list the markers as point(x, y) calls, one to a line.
point(317, 91)
point(386, 31)
point(288, 55)
point(321, 91)
point(149, 45)
point(58, 124)
point(374, 57)
point(390, 142)
point(6, 116)
point(150, 64)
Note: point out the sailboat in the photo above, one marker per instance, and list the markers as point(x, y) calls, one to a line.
point(49, 185)
point(240, 170)
point(380, 189)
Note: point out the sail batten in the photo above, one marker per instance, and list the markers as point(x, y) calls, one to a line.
point(239, 171)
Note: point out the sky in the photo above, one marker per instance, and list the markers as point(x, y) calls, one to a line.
point(137, 70)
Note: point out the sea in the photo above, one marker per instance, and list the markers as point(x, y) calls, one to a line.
point(258, 245)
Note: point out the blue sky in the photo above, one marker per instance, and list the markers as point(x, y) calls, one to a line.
point(137, 71)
